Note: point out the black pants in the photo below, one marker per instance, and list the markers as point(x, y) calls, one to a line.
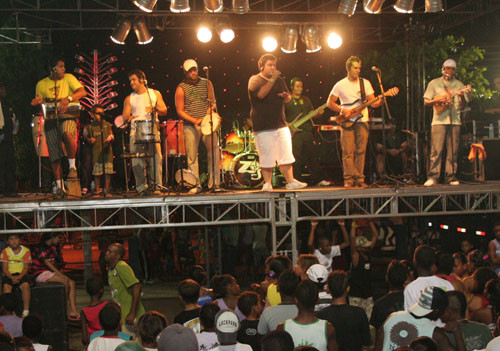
point(306, 155)
point(8, 167)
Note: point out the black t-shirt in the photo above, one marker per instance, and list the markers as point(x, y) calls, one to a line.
point(361, 285)
point(267, 113)
point(387, 304)
point(300, 106)
point(248, 334)
point(187, 316)
point(351, 326)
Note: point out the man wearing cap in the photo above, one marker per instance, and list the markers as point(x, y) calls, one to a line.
point(8, 128)
point(404, 326)
point(318, 274)
point(177, 337)
point(193, 97)
point(445, 127)
point(227, 325)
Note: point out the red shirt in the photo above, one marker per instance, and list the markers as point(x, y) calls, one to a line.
point(91, 314)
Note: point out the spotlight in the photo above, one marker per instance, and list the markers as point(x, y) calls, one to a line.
point(121, 31)
point(204, 34)
point(310, 37)
point(111, 59)
point(347, 7)
point(79, 71)
point(289, 41)
point(269, 44)
point(142, 32)
point(404, 6)
point(241, 6)
point(226, 34)
point(112, 83)
point(145, 5)
point(214, 5)
point(334, 40)
point(80, 58)
point(179, 6)
point(373, 6)
point(433, 5)
point(111, 71)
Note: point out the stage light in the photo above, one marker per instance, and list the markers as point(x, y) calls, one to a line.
point(112, 83)
point(310, 38)
point(404, 6)
point(121, 31)
point(111, 70)
point(214, 5)
point(347, 7)
point(226, 34)
point(142, 32)
point(433, 5)
point(145, 5)
point(444, 226)
point(111, 106)
point(480, 233)
point(111, 94)
point(334, 40)
point(178, 6)
point(79, 71)
point(373, 6)
point(80, 58)
point(429, 224)
point(204, 34)
point(111, 59)
point(289, 41)
point(241, 6)
point(269, 43)
point(461, 230)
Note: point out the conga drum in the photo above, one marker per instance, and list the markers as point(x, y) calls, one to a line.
point(174, 140)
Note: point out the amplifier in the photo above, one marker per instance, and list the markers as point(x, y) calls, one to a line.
point(491, 168)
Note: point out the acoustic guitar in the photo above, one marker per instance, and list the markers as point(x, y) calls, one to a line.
point(447, 99)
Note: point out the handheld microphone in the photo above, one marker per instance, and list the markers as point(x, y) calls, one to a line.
point(375, 69)
point(145, 81)
point(205, 68)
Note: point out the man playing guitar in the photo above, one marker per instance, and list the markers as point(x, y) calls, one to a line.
point(353, 140)
point(447, 95)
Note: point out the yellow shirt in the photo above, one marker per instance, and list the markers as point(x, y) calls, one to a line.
point(273, 296)
point(16, 261)
point(49, 89)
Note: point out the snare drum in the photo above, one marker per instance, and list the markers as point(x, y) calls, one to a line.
point(245, 171)
point(174, 137)
point(38, 133)
point(227, 161)
point(145, 131)
point(234, 144)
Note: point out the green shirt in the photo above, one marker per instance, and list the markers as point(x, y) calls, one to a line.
point(295, 107)
point(94, 131)
point(476, 336)
point(121, 279)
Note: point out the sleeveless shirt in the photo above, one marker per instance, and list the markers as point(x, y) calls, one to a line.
point(311, 334)
point(195, 98)
point(138, 105)
point(401, 328)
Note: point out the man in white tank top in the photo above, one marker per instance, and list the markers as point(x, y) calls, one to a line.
point(137, 110)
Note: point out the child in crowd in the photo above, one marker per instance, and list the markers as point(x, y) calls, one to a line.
point(227, 289)
point(318, 274)
point(207, 338)
point(303, 263)
point(227, 325)
point(23, 344)
point(16, 260)
point(325, 251)
point(33, 329)
point(149, 326)
point(45, 255)
point(251, 305)
point(275, 265)
point(110, 319)
point(189, 291)
point(11, 322)
point(90, 315)
point(199, 275)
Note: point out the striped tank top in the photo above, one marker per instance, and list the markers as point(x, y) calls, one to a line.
point(195, 98)
point(311, 334)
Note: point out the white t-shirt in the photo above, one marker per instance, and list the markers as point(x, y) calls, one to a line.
point(413, 290)
point(105, 343)
point(401, 328)
point(326, 260)
point(493, 345)
point(207, 340)
point(235, 347)
point(348, 92)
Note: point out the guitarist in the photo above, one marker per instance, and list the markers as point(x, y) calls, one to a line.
point(302, 142)
point(447, 96)
point(352, 91)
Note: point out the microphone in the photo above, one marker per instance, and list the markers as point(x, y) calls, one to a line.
point(205, 68)
point(145, 81)
point(375, 69)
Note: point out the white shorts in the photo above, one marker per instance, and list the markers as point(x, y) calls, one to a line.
point(274, 146)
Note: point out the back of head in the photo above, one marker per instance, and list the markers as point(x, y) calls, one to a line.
point(177, 337)
point(397, 273)
point(6, 342)
point(129, 346)
point(423, 343)
point(278, 264)
point(481, 277)
point(338, 281)
point(424, 257)
point(150, 325)
point(33, 326)
point(8, 302)
point(493, 295)
point(277, 340)
point(220, 283)
point(246, 301)
point(477, 258)
point(189, 290)
point(110, 316)
point(94, 286)
point(287, 283)
point(307, 294)
point(457, 303)
point(207, 315)
point(23, 342)
point(198, 274)
point(307, 260)
point(460, 256)
point(444, 263)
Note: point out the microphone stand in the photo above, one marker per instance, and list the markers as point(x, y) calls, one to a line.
point(213, 188)
point(59, 141)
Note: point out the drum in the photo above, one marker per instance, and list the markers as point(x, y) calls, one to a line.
point(206, 128)
point(186, 176)
point(145, 131)
point(245, 171)
point(250, 141)
point(234, 144)
point(174, 137)
point(38, 133)
point(49, 110)
point(227, 161)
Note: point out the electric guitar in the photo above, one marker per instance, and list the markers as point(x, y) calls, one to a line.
point(447, 99)
point(347, 123)
point(298, 121)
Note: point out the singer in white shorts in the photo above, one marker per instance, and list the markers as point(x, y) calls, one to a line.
point(268, 93)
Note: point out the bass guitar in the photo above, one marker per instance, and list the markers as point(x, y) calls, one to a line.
point(447, 99)
point(300, 120)
point(347, 123)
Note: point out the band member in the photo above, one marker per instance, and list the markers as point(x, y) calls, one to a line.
point(66, 90)
point(8, 128)
point(397, 150)
point(446, 122)
point(100, 135)
point(192, 98)
point(268, 94)
point(353, 140)
point(303, 142)
point(139, 107)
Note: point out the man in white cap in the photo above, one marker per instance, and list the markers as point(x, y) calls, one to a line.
point(193, 97)
point(448, 96)
point(227, 325)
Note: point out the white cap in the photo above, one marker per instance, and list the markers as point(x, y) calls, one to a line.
point(317, 273)
point(188, 64)
point(450, 63)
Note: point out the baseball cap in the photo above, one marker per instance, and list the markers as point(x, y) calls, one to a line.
point(450, 63)
point(177, 337)
point(188, 64)
point(431, 299)
point(227, 325)
point(317, 273)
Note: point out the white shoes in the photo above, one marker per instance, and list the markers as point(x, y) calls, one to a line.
point(268, 187)
point(454, 182)
point(430, 182)
point(195, 190)
point(324, 182)
point(295, 184)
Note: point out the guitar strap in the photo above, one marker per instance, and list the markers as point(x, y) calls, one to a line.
point(362, 88)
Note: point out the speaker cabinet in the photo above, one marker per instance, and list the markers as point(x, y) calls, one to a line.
point(492, 162)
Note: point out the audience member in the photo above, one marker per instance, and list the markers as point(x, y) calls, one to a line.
point(110, 319)
point(149, 326)
point(199, 275)
point(303, 263)
point(7, 342)
point(207, 338)
point(478, 300)
point(306, 328)
point(33, 329)
point(11, 323)
point(350, 322)
point(277, 340)
point(275, 265)
point(494, 248)
point(460, 265)
point(489, 314)
point(251, 305)
point(318, 274)
point(227, 325)
point(324, 250)
point(129, 346)
point(23, 344)
point(287, 309)
point(189, 291)
point(466, 246)
point(177, 338)
point(444, 269)
point(90, 315)
point(423, 343)
point(226, 290)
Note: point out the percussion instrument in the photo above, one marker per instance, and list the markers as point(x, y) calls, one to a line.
point(145, 131)
point(206, 128)
point(187, 176)
point(173, 130)
point(245, 171)
point(227, 161)
point(120, 122)
point(234, 143)
point(38, 133)
point(49, 110)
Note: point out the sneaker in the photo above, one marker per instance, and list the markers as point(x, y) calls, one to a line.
point(348, 184)
point(141, 189)
point(195, 190)
point(430, 182)
point(268, 187)
point(72, 173)
point(295, 184)
point(361, 184)
point(454, 182)
point(324, 183)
